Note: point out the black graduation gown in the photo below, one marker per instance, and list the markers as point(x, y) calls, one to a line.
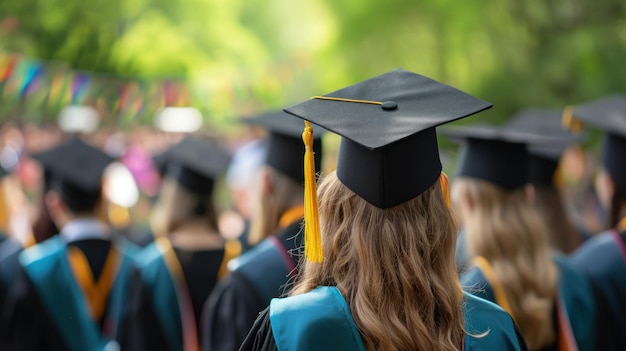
point(9, 253)
point(236, 302)
point(146, 332)
point(25, 323)
point(261, 336)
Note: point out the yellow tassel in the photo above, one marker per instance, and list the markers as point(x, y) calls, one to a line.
point(445, 188)
point(5, 214)
point(569, 122)
point(312, 236)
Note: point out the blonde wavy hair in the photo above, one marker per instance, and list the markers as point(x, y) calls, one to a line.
point(178, 205)
point(395, 267)
point(284, 194)
point(508, 232)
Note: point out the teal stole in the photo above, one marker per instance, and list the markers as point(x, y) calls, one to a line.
point(46, 265)
point(321, 320)
point(168, 295)
point(575, 308)
point(267, 266)
point(162, 273)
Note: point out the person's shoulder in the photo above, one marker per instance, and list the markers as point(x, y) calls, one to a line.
point(474, 282)
point(475, 304)
point(316, 320)
point(488, 326)
point(251, 258)
point(593, 245)
point(598, 254)
point(44, 249)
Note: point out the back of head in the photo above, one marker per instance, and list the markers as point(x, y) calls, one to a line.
point(507, 231)
point(178, 206)
point(608, 114)
point(284, 192)
point(281, 185)
point(190, 170)
point(394, 266)
point(74, 169)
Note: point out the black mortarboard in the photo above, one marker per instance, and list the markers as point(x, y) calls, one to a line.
point(75, 169)
point(160, 161)
point(388, 153)
point(498, 155)
point(544, 157)
point(609, 114)
point(285, 151)
point(195, 163)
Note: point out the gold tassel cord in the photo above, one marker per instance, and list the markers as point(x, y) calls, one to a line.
point(312, 236)
point(347, 100)
point(569, 122)
point(445, 188)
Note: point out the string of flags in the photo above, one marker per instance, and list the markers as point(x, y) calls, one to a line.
point(37, 90)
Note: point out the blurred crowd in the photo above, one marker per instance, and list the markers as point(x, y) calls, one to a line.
point(170, 237)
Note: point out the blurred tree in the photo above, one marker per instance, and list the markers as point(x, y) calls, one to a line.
point(243, 56)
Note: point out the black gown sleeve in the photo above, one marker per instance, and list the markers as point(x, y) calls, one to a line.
point(231, 309)
point(260, 336)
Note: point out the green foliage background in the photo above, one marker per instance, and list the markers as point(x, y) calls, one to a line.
point(513, 53)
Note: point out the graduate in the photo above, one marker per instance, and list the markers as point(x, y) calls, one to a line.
point(603, 257)
point(544, 160)
point(512, 263)
point(264, 271)
point(382, 275)
point(242, 178)
point(9, 248)
point(189, 255)
point(71, 290)
point(43, 228)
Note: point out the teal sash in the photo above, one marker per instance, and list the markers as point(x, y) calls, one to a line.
point(317, 320)
point(576, 295)
point(155, 275)
point(321, 320)
point(47, 267)
point(265, 267)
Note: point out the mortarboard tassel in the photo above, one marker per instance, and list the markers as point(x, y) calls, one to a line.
point(312, 235)
point(445, 188)
point(569, 122)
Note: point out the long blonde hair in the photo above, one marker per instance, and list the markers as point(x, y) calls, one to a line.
point(508, 232)
point(395, 267)
point(284, 194)
point(177, 205)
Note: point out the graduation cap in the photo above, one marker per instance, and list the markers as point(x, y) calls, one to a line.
point(498, 155)
point(74, 169)
point(543, 157)
point(195, 163)
point(608, 114)
point(388, 153)
point(160, 161)
point(285, 151)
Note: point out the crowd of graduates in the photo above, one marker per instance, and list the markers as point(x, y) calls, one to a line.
point(379, 251)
